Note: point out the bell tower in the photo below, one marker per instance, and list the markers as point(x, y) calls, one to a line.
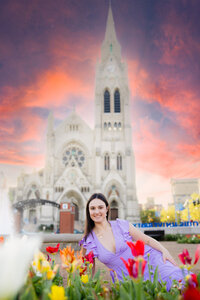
point(113, 132)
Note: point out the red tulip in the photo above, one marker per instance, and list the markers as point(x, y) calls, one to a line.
point(197, 254)
point(89, 257)
point(185, 257)
point(133, 266)
point(137, 248)
point(53, 249)
point(193, 281)
point(192, 293)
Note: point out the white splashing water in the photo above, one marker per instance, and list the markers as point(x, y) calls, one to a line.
point(6, 215)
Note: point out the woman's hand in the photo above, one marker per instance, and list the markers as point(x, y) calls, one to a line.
point(167, 256)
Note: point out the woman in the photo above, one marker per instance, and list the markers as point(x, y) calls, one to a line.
point(107, 240)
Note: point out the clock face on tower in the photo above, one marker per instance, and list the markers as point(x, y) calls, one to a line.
point(110, 68)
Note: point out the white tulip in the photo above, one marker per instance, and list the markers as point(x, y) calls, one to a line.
point(16, 255)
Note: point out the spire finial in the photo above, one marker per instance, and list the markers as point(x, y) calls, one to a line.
point(110, 44)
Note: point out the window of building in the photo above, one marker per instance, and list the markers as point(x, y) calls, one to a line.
point(119, 162)
point(106, 162)
point(106, 102)
point(117, 107)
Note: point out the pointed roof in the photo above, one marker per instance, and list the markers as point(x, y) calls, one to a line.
point(110, 44)
point(110, 26)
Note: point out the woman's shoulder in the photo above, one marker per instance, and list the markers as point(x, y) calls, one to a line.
point(89, 244)
point(123, 225)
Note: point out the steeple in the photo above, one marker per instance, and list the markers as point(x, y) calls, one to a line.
point(110, 46)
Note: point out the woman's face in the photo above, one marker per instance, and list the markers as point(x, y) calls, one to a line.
point(97, 210)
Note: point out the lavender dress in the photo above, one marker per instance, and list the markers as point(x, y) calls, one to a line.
point(120, 229)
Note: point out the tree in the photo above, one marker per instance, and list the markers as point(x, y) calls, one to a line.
point(168, 215)
point(148, 216)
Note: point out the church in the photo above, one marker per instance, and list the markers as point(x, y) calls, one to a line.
point(80, 160)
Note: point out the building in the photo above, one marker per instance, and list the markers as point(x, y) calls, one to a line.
point(182, 189)
point(81, 160)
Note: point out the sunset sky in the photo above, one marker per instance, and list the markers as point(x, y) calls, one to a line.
point(48, 54)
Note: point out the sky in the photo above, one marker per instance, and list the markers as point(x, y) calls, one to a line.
point(48, 54)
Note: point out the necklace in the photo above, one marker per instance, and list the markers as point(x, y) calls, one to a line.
point(100, 234)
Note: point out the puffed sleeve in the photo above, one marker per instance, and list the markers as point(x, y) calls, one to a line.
point(89, 245)
point(124, 228)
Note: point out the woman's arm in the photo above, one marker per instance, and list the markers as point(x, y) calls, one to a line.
point(136, 234)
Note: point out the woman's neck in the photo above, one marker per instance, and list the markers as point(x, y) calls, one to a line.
point(100, 227)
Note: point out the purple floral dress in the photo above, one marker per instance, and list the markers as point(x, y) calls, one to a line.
point(120, 229)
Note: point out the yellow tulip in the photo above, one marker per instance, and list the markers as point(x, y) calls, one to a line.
point(57, 293)
point(84, 278)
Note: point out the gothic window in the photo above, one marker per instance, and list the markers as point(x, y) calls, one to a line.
point(119, 125)
point(119, 162)
point(106, 102)
point(105, 125)
point(115, 126)
point(106, 162)
point(109, 126)
point(76, 153)
point(117, 102)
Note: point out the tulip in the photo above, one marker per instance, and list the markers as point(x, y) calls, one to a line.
point(186, 259)
point(89, 257)
point(53, 250)
point(15, 256)
point(67, 255)
point(137, 249)
point(57, 293)
point(135, 267)
point(84, 278)
point(42, 266)
point(1, 239)
point(191, 293)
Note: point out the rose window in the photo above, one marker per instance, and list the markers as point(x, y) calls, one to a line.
point(73, 153)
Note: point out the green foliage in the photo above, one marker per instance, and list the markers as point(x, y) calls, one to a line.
point(148, 216)
point(188, 240)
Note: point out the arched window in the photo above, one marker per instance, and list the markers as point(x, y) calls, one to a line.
point(119, 162)
point(117, 102)
point(114, 210)
point(106, 162)
point(107, 102)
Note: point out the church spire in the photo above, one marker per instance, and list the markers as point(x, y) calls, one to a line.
point(110, 46)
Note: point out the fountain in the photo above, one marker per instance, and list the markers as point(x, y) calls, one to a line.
point(6, 216)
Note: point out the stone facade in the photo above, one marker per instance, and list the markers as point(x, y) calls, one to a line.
point(81, 160)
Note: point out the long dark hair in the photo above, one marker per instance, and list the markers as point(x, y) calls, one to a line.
point(89, 224)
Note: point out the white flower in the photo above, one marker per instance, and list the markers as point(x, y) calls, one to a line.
point(15, 256)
